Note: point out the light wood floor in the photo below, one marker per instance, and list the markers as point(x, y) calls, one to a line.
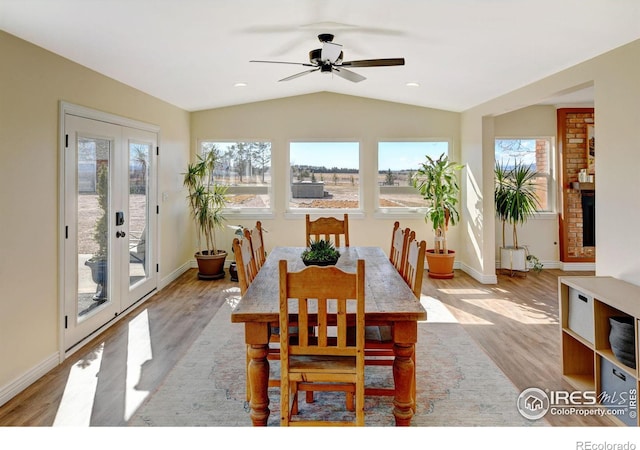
point(515, 322)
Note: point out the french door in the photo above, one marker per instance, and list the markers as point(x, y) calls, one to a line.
point(110, 221)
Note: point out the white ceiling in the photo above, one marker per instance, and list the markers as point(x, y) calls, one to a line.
point(191, 53)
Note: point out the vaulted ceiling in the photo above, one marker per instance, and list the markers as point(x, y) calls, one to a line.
point(194, 53)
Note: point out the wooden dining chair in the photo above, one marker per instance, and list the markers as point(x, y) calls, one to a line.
point(414, 265)
point(398, 252)
point(328, 361)
point(379, 340)
point(245, 261)
point(257, 245)
point(329, 229)
point(247, 271)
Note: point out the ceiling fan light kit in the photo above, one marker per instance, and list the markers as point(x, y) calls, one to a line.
point(329, 59)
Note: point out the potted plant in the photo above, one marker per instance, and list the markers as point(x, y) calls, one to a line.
point(98, 263)
point(515, 201)
point(437, 182)
point(320, 253)
point(207, 199)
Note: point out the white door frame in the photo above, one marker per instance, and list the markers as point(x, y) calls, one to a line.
point(76, 110)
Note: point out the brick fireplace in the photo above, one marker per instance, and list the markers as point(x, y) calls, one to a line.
point(577, 217)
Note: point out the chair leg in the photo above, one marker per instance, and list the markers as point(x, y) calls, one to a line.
point(309, 396)
point(294, 402)
point(350, 401)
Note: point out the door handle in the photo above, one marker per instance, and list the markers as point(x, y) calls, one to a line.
point(120, 234)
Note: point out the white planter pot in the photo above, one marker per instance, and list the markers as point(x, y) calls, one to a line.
point(513, 259)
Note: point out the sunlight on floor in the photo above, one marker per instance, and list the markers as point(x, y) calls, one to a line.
point(77, 400)
point(464, 291)
point(486, 300)
point(436, 311)
point(511, 310)
point(466, 318)
point(79, 394)
point(139, 352)
point(234, 296)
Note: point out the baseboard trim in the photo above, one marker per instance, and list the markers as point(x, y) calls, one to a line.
point(578, 266)
point(28, 378)
point(176, 274)
point(478, 276)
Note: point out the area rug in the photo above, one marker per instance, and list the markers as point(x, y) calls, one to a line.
point(458, 384)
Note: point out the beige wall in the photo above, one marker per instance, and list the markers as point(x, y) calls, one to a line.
point(330, 117)
point(617, 94)
point(32, 83)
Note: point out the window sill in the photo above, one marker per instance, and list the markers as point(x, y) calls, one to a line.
point(399, 213)
point(249, 213)
point(338, 213)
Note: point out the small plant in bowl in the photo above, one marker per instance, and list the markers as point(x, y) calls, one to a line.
point(320, 253)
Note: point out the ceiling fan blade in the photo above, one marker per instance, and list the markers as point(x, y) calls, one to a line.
point(300, 74)
point(375, 62)
point(284, 62)
point(330, 51)
point(348, 75)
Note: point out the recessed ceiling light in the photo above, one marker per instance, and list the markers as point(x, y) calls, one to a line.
point(240, 84)
point(413, 84)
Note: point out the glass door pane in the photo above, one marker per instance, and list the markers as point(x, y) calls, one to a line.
point(139, 154)
point(93, 211)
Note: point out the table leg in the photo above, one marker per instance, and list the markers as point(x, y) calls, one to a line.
point(403, 371)
point(259, 382)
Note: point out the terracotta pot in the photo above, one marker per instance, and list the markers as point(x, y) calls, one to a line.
point(440, 264)
point(211, 267)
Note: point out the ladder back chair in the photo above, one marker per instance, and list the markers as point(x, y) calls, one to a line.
point(247, 271)
point(414, 267)
point(245, 261)
point(398, 252)
point(379, 340)
point(329, 229)
point(325, 297)
point(257, 245)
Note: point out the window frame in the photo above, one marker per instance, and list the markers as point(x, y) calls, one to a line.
point(551, 177)
point(246, 212)
point(337, 212)
point(400, 212)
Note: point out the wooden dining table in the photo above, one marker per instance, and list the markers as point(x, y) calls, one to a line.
point(388, 301)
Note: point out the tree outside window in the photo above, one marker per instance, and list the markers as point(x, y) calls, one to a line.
point(536, 153)
point(246, 168)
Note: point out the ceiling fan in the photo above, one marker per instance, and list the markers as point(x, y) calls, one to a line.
point(328, 59)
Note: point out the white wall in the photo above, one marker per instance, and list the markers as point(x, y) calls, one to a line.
point(32, 83)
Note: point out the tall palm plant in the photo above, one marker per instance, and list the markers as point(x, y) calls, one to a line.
point(437, 182)
point(207, 199)
point(515, 196)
